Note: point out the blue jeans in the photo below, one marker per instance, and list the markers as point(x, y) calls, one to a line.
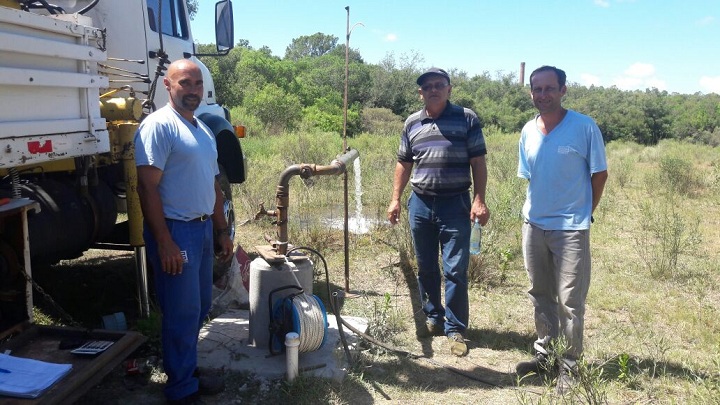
point(184, 300)
point(442, 224)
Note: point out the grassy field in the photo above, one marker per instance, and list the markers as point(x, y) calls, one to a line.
point(652, 326)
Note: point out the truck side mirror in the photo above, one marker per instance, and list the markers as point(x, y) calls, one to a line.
point(224, 34)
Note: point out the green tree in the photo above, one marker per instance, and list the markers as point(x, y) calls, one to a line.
point(314, 45)
point(393, 84)
point(657, 120)
point(276, 109)
point(192, 7)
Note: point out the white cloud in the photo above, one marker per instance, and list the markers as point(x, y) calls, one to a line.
point(390, 38)
point(587, 80)
point(602, 3)
point(640, 70)
point(710, 84)
point(639, 76)
point(709, 20)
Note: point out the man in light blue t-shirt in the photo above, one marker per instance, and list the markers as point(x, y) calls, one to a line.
point(182, 205)
point(562, 155)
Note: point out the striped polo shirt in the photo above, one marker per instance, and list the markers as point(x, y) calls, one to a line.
point(440, 150)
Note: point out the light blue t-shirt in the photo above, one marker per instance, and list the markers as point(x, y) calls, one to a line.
point(187, 156)
point(558, 167)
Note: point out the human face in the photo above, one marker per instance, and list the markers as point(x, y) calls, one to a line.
point(184, 83)
point(435, 92)
point(546, 92)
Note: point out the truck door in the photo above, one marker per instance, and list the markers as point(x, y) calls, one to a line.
point(169, 17)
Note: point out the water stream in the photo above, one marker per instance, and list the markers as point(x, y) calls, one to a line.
point(357, 222)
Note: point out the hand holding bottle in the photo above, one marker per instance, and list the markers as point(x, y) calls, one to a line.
point(476, 238)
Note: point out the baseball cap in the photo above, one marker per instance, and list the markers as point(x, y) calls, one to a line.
point(432, 71)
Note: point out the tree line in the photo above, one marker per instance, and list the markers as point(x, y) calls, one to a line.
point(305, 89)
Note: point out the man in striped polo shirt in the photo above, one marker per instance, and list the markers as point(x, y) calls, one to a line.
point(446, 145)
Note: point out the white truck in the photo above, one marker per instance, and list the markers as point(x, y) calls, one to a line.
point(76, 79)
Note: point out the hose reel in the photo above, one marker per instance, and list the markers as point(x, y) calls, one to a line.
point(298, 312)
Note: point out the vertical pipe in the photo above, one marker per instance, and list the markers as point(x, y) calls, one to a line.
point(522, 74)
point(346, 232)
point(292, 350)
point(126, 134)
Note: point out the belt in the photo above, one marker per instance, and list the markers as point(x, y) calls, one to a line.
point(201, 218)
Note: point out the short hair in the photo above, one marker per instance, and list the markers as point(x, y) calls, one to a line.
point(558, 72)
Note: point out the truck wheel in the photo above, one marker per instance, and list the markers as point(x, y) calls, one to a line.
point(220, 269)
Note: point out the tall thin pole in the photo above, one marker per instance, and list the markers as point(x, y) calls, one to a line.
point(346, 232)
point(345, 147)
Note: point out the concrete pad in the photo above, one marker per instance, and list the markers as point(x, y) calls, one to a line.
point(225, 345)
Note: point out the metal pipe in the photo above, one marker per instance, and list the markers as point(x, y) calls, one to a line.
point(304, 170)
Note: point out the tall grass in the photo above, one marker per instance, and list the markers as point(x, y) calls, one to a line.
point(652, 321)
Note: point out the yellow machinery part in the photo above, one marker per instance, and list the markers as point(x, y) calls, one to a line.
point(10, 4)
point(121, 109)
point(126, 135)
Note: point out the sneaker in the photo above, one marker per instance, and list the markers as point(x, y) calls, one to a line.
point(565, 381)
point(433, 329)
point(458, 347)
point(539, 364)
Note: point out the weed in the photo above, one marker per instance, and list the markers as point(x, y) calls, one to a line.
point(677, 174)
point(664, 235)
point(623, 362)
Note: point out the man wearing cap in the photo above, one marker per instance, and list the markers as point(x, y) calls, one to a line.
point(446, 145)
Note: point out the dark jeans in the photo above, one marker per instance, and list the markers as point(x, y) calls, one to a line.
point(442, 224)
point(184, 300)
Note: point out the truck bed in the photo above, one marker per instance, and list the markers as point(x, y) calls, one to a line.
point(49, 89)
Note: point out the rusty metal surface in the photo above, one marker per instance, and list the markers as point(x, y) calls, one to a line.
point(43, 343)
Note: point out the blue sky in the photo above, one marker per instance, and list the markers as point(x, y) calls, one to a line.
point(673, 45)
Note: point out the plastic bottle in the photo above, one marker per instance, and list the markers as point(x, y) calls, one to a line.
point(475, 238)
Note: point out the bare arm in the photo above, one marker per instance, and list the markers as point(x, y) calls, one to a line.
point(597, 180)
point(151, 205)
point(400, 180)
point(479, 172)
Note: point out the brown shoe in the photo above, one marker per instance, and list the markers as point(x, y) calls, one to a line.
point(458, 347)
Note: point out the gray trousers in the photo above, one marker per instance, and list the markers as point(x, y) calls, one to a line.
point(558, 265)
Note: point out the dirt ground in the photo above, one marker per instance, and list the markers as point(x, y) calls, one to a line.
point(484, 376)
point(102, 283)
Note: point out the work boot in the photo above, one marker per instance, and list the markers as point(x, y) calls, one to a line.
point(539, 364)
point(458, 347)
point(434, 329)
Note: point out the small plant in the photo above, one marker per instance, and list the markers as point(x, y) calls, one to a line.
point(622, 173)
point(664, 235)
point(677, 175)
point(385, 322)
point(623, 362)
